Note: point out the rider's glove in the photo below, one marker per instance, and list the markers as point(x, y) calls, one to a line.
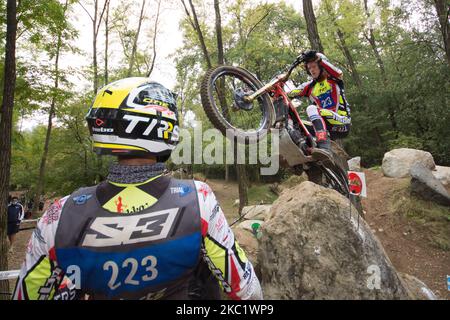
point(296, 92)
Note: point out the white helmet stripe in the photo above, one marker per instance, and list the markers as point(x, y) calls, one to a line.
point(150, 145)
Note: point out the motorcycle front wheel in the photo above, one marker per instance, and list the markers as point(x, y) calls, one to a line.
point(223, 92)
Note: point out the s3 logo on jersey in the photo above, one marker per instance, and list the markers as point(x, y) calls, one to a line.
point(120, 230)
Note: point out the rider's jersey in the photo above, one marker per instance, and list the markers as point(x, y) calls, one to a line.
point(134, 241)
point(326, 94)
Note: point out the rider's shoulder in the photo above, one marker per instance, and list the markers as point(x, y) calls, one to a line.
point(51, 216)
point(306, 84)
point(200, 186)
point(203, 187)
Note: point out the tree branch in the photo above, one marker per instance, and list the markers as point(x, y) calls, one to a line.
point(92, 19)
point(101, 16)
point(155, 32)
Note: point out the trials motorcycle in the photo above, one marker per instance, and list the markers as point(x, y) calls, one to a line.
point(234, 99)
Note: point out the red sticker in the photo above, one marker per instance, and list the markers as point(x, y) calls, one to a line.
point(355, 183)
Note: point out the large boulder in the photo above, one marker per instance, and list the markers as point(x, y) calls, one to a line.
point(442, 174)
point(247, 224)
point(425, 185)
point(354, 164)
point(258, 212)
point(313, 248)
point(398, 162)
point(417, 288)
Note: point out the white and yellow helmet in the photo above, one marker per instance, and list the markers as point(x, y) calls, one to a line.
point(134, 117)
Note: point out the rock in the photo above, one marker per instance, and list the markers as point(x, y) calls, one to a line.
point(256, 212)
point(398, 162)
point(275, 188)
point(442, 174)
point(425, 185)
point(311, 249)
point(248, 242)
point(236, 203)
point(247, 224)
point(354, 164)
point(417, 288)
point(292, 181)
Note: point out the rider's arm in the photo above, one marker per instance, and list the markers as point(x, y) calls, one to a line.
point(331, 69)
point(226, 260)
point(22, 213)
point(39, 271)
point(301, 91)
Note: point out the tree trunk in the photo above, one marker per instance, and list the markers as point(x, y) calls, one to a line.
point(5, 129)
point(349, 58)
point(106, 43)
point(94, 47)
point(218, 32)
point(311, 26)
point(51, 114)
point(227, 172)
point(373, 44)
point(371, 39)
point(443, 11)
point(241, 173)
point(96, 22)
point(195, 24)
point(135, 41)
point(220, 61)
point(155, 32)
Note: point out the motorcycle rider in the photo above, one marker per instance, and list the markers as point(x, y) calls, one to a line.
point(326, 92)
point(140, 234)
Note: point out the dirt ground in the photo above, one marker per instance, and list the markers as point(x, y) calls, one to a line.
point(404, 241)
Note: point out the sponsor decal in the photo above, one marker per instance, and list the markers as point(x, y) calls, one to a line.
point(103, 130)
point(119, 205)
point(214, 212)
point(79, 200)
point(116, 231)
point(38, 235)
point(52, 213)
point(205, 190)
point(216, 272)
point(181, 189)
point(52, 282)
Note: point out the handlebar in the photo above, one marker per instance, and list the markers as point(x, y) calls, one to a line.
point(281, 77)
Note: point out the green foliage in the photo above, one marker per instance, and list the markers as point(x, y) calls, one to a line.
point(406, 105)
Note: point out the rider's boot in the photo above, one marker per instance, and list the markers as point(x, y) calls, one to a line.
point(323, 150)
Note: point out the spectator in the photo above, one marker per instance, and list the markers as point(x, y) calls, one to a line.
point(15, 216)
point(30, 204)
